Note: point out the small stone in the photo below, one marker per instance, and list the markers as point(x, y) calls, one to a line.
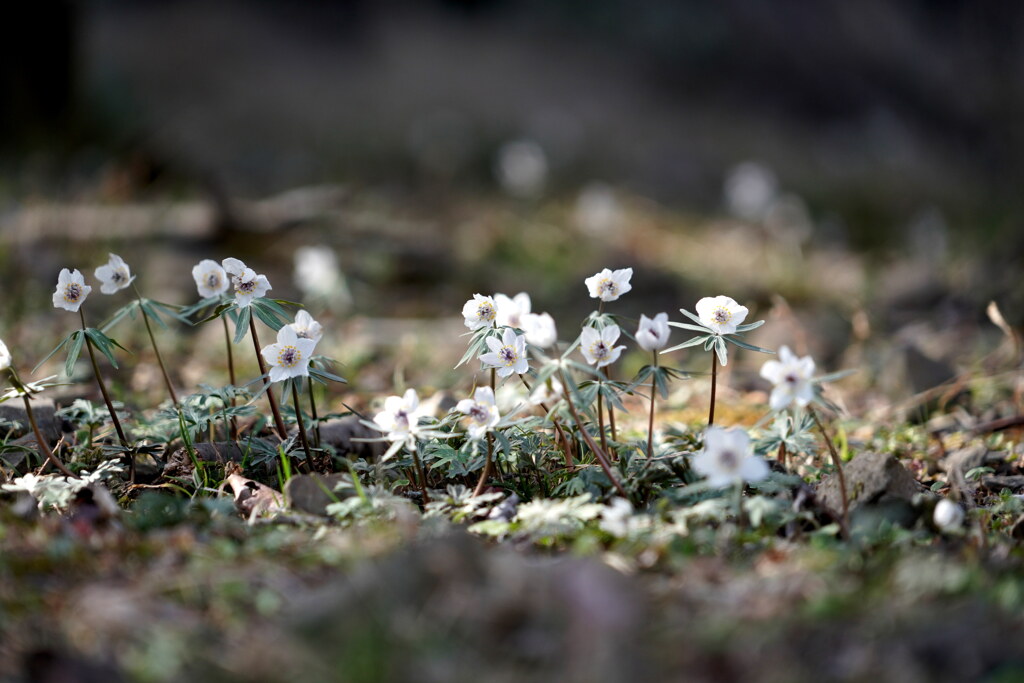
point(312, 493)
point(872, 480)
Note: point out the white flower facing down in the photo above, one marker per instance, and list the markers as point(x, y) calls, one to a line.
point(540, 329)
point(114, 275)
point(791, 377)
point(546, 392)
point(249, 285)
point(948, 516)
point(71, 290)
point(728, 458)
point(211, 279)
point(400, 418)
point(482, 412)
point(5, 356)
point(508, 355)
point(511, 310)
point(599, 347)
point(305, 327)
point(721, 314)
point(289, 357)
point(609, 285)
point(652, 334)
point(480, 311)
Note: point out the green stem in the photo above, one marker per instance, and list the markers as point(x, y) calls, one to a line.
point(106, 399)
point(282, 431)
point(156, 350)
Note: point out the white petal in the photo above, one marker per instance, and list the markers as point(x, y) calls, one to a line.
point(610, 334)
point(754, 469)
point(484, 395)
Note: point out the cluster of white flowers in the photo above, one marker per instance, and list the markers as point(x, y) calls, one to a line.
point(482, 412)
point(246, 282)
point(728, 458)
point(400, 419)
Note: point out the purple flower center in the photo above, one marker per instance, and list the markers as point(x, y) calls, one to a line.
point(72, 291)
point(507, 355)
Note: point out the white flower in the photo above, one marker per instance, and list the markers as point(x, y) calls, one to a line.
point(289, 357)
point(948, 516)
point(652, 335)
point(721, 314)
point(5, 356)
point(546, 392)
point(71, 290)
point(480, 311)
point(609, 285)
point(233, 266)
point(599, 347)
point(791, 377)
point(482, 412)
point(507, 355)
point(512, 309)
point(728, 458)
point(306, 327)
point(211, 279)
point(540, 329)
point(400, 417)
point(248, 285)
point(615, 517)
point(115, 275)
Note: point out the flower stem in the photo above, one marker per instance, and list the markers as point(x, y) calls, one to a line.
point(231, 374)
point(156, 350)
point(650, 419)
point(600, 417)
point(566, 451)
point(106, 399)
point(489, 463)
point(300, 424)
point(422, 477)
point(44, 447)
point(274, 408)
point(714, 382)
point(782, 454)
point(598, 453)
point(611, 408)
point(839, 472)
point(312, 412)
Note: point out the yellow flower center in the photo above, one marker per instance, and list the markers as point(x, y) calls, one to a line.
point(722, 315)
point(245, 286)
point(72, 292)
point(507, 355)
point(599, 350)
point(485, 311)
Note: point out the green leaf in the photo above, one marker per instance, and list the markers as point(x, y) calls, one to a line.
point(692, 317)
point(150, 312)
point(103, 343)
point(748, 347)
point(749, 326)
point(686, 344)
point(57, 348)
point(323, 376)
point(119, 315)
point(77, 338)
point(477, 344)
point(242, 324)
point(722, 350)
point(188, 311)
point(218, 312)
point(834, 376)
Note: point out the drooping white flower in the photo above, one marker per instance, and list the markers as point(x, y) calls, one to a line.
point(547, 392)
point(721, 314)
point(791, 377)
point(480, 311)
point(400, 418)
point(482, 412)
point(512, 309)
point(609, 285)
point(599, 347)
point(540, 329)
point(652, 335)
point(249, 285)
point(289, 357)
point(211, 279)
point(728, 458)
point(306, 327)
point(114, 275)
point(71, 290)
point(233, 266)
point(507, 355)
point(5, 356)
point(948, 516)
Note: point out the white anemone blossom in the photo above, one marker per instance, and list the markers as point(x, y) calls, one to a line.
point(721, 314)
point(289, 357)
point(5, 356)
point(652, 335)
point(599, 347)
point(71, 290)
point(249, 285)
point(211, 279)
point(482, 412)
point(508, 354)
point(480, 311)
point(114, 275)
point(948, 516)
point(609, 285)
point(400, 418)
point(540, 329)
point(791, 377)
point(511, 310)
point(306, 327)
point(728, 458)
point(549, 391)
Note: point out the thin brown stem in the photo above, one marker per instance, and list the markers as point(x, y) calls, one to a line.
point(782, 454)
point(566, 451)
point(837, 462)
point(156, 350)
point(231, 374)
point(282, 431)
point(106, 399)
point(598, 453)
point(600, 420)
point(650, 419)
point(422, 477)
point(300, 424)
point(312, 413)
point(44, 446)
point(489, 463)
point(714, 382)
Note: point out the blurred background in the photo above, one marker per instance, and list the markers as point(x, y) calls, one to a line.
point(850, 171)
